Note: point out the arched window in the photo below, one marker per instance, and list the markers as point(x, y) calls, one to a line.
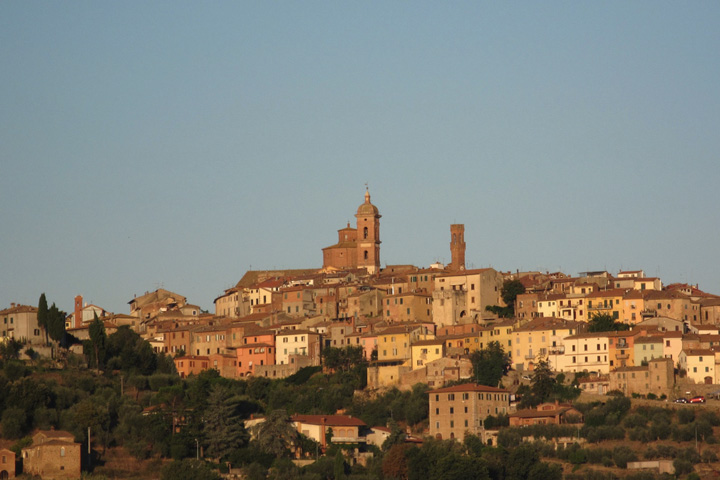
point(365, 255)
point(365, 232)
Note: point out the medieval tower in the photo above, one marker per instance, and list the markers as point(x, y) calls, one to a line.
point(457, 246)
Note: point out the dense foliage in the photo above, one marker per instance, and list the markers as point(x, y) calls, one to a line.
point(490, 364)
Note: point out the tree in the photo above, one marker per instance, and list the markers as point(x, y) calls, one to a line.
point(55, 323)
point(343, 359)
point(223, 426)
point(603, 322)
point(277, 434)
point(188, 469)
point(509, 292)
point(542, 386)
point(42, 315)
point(98, 339)
point(490, 364)
point(395, 464)
point(10, 349)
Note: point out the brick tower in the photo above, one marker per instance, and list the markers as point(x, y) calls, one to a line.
point(368, 236)
point(457, 246)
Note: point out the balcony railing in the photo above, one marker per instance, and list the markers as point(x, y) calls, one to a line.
point(557, 350)
point(336, 439)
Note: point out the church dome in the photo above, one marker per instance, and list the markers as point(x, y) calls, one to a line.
point(367, 208)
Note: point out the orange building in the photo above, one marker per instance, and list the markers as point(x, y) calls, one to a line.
point(258, 348)
point(7, 463)
point(191, 365)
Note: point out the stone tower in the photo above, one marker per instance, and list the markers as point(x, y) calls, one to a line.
point(368, 236)
point(457, 246)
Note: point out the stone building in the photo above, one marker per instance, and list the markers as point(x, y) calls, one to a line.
point(461, 409)
point(54, 454)
point(658, 377)
point(357, 247)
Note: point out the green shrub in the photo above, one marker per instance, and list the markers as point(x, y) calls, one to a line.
point(622, 455)
point(682, 466)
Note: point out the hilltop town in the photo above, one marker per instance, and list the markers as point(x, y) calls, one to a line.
point(405, 333)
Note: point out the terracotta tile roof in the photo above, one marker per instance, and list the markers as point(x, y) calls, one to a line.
point(19, 309)
point(548, 323)
point(649, 339)
point(464, 273)
point(613, 292)
point(329, 420)
point(533, 413)
point(469, 387)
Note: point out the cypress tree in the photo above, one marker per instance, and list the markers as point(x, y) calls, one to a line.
point(42, 315)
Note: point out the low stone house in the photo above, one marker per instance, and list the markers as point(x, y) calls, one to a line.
point(54, 454)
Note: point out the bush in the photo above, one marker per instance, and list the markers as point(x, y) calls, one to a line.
point(639, 434)
point(635, 420)
point(622, 455)
point(682, 466)
point(708, 456)
point(666, 451)
point(685, 415)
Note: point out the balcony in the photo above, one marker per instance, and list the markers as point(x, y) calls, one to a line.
point(557, 350)
point(622, 356)
point(336, 439)
point(529, 357)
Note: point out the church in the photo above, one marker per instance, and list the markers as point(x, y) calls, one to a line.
point(357, 247)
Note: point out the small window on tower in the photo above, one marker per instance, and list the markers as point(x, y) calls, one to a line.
point(365, 254)
point(365, 232)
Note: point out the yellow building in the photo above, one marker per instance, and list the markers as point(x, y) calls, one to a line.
point(606, 302)
point(394, 343)
point(425, 351)
point(540, 339)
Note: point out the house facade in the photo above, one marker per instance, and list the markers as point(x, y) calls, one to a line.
point(461, 409)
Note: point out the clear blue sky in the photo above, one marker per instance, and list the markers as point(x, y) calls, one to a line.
point(177, 144)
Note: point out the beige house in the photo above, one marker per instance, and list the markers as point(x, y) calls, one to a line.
point(480, 287)
point(647, 348)
point(540, 339)
point(343, 428)
point(297, 342)
point(20, 322)
point(699, 364)
point(583, 352)
point(544, 414)
point(461, 409)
